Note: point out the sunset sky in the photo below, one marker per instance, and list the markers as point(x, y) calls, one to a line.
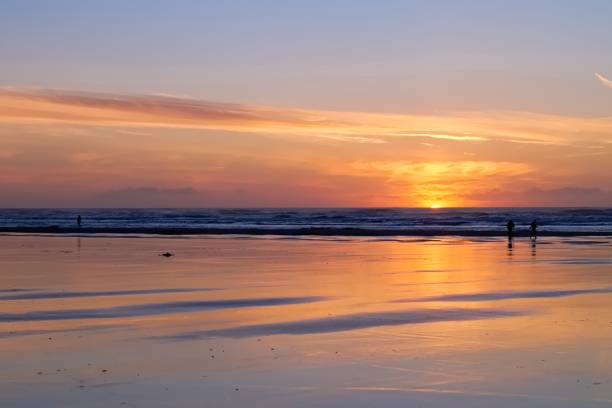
point(305, 104)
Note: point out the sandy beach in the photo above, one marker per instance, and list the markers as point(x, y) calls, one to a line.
point(305, 204)
point(305, 321)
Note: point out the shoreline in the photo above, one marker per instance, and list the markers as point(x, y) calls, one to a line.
point(306, 231)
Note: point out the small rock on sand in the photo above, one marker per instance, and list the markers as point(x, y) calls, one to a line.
point(167, 254)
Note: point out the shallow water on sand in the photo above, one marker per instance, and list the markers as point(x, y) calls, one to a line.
point(267, 322)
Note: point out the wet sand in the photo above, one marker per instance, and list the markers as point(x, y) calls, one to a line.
point(320, 231)
point(305, 321)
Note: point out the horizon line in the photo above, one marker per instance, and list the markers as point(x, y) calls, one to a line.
point(314, 208)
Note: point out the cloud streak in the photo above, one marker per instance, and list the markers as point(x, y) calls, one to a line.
point(97, 109)
point(67, 148)
point(607, 82)
point(154, 111)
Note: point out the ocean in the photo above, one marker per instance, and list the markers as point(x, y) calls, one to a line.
point(341, 221)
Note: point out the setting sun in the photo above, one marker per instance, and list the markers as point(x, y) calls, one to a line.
point(435, 206)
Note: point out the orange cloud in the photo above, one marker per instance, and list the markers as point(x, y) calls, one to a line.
point(445, 183)
point(154, 111)
point(75, 149)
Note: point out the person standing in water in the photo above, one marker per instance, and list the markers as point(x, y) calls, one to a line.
point(79, 219)
point(510, 226)
point(533, 230)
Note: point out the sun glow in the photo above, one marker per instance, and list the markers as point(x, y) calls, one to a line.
point(434, 206)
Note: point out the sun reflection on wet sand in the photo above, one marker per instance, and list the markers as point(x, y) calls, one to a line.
point(276, 322)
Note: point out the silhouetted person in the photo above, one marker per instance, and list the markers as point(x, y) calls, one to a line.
point(510, 226)
point(533, 230)
point(79, 219)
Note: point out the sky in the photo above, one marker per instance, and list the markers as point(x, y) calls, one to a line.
point(305, 103)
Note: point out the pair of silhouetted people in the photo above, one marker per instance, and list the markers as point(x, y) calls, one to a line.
point(533, 227)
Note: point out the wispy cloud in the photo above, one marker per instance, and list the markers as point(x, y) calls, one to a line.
point(67, 148)
point(155, 111)
point(444, 136)
point(607, 82)
point(162, 111)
